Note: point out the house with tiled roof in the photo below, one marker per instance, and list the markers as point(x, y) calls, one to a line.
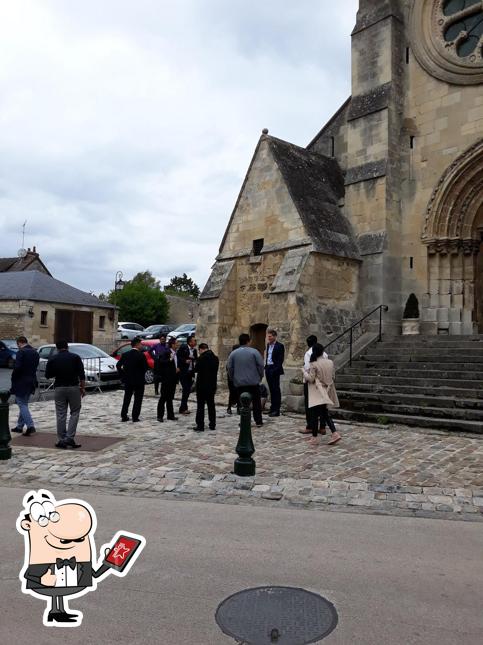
point(35, 304)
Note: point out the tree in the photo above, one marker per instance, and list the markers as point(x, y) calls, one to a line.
point(183, 286)
point(141, 300)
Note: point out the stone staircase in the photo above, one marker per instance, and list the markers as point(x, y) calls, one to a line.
point(425, 381)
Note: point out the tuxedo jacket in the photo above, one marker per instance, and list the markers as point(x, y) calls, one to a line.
point(278, 356)
point(85, 574)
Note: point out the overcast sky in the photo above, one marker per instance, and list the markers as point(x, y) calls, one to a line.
point(127, 126)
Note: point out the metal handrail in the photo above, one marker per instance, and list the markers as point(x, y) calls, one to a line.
point(380, 308)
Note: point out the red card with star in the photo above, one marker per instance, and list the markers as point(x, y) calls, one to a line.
point(122, 552)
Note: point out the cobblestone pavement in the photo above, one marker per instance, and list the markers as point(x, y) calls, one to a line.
point(378, 469)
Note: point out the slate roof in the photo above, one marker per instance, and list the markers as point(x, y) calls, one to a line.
point(6, 263)
point(316, 184)
point(37, 286)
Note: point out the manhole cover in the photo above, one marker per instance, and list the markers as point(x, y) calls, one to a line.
point(282, 615)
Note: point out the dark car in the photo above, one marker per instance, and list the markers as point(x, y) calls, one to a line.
point(155, 331)
point(8, 353)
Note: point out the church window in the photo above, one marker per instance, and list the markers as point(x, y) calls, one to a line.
point(464, 25)
point(407, 55)
point(411, 262)
point(332, 146)
point(411, 141)
point(257, 246)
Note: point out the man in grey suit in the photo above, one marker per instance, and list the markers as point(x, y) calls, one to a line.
point(245, 370)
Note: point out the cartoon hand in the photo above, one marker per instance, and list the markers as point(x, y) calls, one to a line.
point(48, 579)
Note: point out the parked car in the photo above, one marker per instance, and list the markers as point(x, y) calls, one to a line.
point(147, 345)
point(154, 331)
point(128, 330)
point(98, 365)
point(182, 332)
point(8, 352)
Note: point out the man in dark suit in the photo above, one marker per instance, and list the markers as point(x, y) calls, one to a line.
point(274, 357)
point(186, 356)
point(206, 369)
point(24, 382)
point(132, 368)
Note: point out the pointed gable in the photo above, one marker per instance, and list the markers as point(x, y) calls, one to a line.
point(289, 198)
point(316, 185)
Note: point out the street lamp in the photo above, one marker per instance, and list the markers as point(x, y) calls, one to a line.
point(118, 281)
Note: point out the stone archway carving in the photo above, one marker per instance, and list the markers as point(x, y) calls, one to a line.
point(453, 233)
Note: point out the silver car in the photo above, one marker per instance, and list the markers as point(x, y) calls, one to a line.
point(128, 330)
point(99, 367)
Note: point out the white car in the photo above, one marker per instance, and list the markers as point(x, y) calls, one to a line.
point(99, 367)
point(182, 332)
point(128, 330)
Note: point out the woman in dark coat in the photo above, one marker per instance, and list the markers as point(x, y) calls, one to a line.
point(167, 371)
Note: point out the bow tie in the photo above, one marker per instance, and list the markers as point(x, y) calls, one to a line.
point(68, 562)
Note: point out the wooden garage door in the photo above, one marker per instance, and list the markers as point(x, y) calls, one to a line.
point(73, 326)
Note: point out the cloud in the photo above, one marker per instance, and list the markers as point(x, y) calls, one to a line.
point(126, 128)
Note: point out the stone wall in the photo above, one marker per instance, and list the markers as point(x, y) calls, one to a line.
point(15, 320)
point(182, 310)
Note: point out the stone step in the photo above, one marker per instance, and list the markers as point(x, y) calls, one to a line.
point(423, 400)
point(430, 351)
point(348, 380)
point(381, 407)
point(427, 345)
point(458, 425)
point(457, 371)
point(441, 338)
point(383, 388)
point(420, 357)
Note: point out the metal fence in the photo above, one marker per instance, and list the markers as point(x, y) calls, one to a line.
point(95, 377)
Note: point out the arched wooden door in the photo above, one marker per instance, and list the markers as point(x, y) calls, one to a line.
point(258, 335)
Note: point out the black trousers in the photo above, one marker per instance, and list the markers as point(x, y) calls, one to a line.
point(186, 381)
point(168, 390)
point(319, 414)
point(129, 390)
point(232, 394)
point(254, 390)
point(307, 414)
point(156, 382)
point(273, 381)
point(208, 397)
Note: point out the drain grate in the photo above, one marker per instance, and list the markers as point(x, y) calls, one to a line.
point(282, 615)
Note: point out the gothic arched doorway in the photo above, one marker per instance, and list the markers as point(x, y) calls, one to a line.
point(258, 334)
point(453, 235)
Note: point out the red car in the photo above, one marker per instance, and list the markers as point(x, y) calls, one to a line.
point(147, 345)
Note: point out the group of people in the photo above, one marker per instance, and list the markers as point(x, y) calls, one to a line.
point(172, 364)
point(191, 367)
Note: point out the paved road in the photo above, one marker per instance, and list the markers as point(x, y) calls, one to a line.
point(394, 581)
point(373, 469)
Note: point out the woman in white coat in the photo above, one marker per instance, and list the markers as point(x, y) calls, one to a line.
point(322, 392)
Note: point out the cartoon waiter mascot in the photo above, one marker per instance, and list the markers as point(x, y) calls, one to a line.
point(59, 547)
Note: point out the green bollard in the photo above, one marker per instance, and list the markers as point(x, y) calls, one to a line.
point(5, 436)
point(244, 464)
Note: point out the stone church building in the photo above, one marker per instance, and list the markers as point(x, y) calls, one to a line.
point(385, 201)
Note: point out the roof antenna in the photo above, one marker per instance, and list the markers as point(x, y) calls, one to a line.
point(22, 252)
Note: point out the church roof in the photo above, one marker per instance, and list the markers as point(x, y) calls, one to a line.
point(316, 184)
point(38, 286)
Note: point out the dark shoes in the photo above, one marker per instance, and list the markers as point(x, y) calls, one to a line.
point(61, 617)
point(30, 431)
point(172, 418)
point(228, 410)
point(67, 443)
point(274, 414)
point(70, 443)
point(196, 429)
point(124, 419)
point(19, 430)
point(136, 420)
point(160, 419)
point(259, 425)
point(211, 428)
